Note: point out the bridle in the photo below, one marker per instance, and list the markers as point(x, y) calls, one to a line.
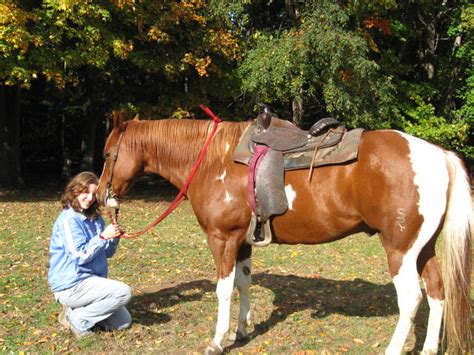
point(110, 194)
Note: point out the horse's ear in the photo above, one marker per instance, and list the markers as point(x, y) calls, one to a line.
point(136, 118)
point(118, 120)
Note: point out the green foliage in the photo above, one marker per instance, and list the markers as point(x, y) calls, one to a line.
point(421, 120)
point(325, 58)
point(167, 45)
point(375, 64)
point(53, 37)
point(372, 64)
point(441, 110)
point(465, 55)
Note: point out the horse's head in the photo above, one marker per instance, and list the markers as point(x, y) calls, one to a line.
point(121, 168)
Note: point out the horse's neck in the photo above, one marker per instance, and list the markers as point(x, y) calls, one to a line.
point(174, 146)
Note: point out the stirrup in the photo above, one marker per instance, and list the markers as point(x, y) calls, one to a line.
point(261, 236)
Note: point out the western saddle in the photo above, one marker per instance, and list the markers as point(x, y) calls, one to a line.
point(270, 141)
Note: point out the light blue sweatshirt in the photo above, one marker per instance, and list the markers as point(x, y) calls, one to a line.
point(76, 250)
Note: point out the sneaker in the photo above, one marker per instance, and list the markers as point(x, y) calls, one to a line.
point(64, 321)
point(79, 334)
point(62, 317)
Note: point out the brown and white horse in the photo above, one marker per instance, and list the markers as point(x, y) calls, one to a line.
point(403, 188)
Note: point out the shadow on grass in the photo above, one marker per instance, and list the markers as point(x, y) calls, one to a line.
point(324, 297)
point(167, 297)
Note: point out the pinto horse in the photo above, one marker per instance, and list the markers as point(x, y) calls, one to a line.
point(406, 190)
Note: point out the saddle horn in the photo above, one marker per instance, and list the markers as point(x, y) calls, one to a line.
point(265, 116)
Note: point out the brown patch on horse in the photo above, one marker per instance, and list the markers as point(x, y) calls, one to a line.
point(395, 216)
point(428, 268)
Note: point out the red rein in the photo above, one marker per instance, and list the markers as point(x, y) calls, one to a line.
point(182, 193)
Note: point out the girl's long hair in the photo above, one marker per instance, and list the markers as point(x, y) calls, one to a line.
point(79, 184)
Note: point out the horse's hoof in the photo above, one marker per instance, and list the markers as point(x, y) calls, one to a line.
point(232, 336)
point(213, 349)
point(241, 337)
point(238, 336)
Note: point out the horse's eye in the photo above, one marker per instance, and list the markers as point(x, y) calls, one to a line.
point(106, 155)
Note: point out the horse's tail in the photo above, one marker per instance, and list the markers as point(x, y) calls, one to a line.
point(457, 258)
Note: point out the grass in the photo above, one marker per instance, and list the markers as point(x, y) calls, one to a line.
point(326, 299)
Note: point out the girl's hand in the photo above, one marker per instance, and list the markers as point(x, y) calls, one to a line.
point(112, 231)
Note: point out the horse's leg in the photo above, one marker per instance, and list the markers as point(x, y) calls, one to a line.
point(408, 224)
point(224, 251)
point(243, 280)
point(409, 296)
point(431, 275)
point(404, 266)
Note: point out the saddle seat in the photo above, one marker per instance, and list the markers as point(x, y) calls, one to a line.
point(286, 137)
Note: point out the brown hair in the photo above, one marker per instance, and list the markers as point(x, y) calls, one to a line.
point(77, 185)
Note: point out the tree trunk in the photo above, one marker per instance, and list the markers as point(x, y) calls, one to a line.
point(67, 160)
point(297, 107)
point(88, 138)
point(10, 137)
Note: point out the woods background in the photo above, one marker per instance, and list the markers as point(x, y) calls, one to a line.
point(66, 64)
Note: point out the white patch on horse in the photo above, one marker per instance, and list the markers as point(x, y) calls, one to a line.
point(227, 147)
point(228, 197)
point(431, 179)
point(224, 290)
point(243, 279)
point(222, 176)
point(409, 296)
point(290, 196)
point(434, 326)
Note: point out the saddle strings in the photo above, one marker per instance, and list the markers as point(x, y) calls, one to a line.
point(310, 173)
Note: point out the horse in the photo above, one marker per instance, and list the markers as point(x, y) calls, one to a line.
point(406, 190)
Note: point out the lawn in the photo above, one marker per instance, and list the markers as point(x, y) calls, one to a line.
point(326, 299)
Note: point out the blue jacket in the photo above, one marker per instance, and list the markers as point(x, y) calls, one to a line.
point(76, 250)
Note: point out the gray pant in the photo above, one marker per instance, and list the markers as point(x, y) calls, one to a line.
point(97, 300)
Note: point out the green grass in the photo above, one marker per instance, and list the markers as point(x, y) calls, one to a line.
point(332, 298)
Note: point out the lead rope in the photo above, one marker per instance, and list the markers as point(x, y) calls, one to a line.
point(182, 193)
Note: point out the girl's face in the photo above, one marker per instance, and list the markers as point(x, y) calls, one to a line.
point(87, 198)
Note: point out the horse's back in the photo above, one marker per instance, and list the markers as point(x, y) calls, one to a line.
point(391, 187)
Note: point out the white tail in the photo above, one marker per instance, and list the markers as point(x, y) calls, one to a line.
point(457, 258)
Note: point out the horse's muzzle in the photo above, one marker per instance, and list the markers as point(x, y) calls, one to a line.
point(111, 200)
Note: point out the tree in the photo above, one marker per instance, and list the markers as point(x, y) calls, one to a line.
point(375, 64)
point(66, 64)
point(322, 61)
point(161, 58)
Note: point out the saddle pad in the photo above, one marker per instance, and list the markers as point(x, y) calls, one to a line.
point(346, 150)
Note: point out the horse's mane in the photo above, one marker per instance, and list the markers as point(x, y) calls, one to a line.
point(170, 139)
